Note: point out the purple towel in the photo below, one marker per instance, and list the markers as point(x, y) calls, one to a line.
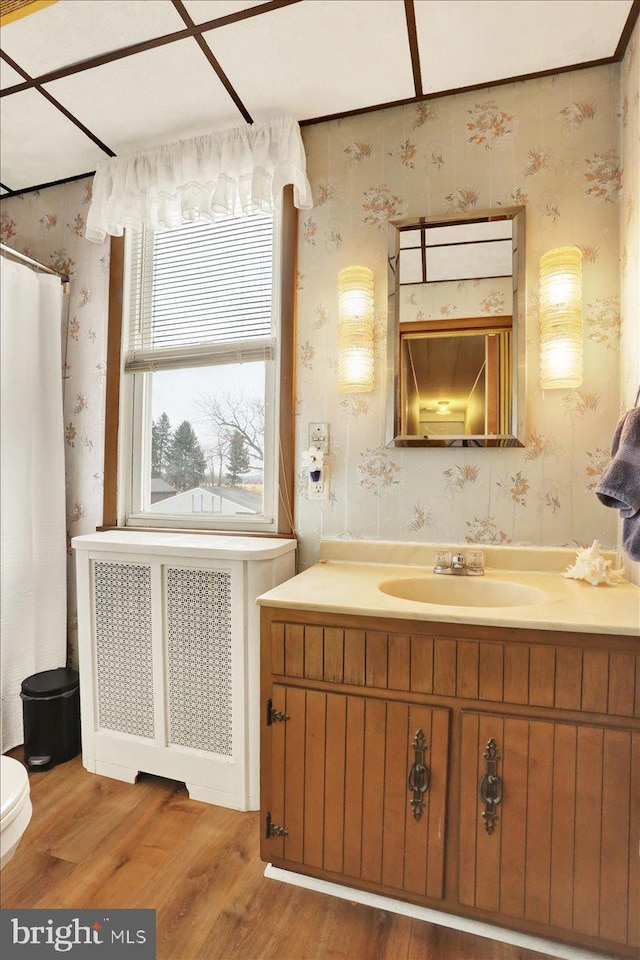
point(619, 485)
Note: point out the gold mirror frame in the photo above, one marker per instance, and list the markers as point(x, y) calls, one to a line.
point(514, 419)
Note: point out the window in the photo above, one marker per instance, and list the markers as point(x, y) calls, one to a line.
point(205, 391)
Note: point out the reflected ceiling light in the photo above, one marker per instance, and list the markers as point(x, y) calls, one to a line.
point(561, 318)
point(355, 330)
point(443, 406)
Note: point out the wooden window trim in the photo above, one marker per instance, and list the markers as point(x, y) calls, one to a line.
point(286, 424)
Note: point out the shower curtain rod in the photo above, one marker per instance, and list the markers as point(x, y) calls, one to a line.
point(34, 263)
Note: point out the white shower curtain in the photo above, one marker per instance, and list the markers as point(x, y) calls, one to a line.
point(33, 526)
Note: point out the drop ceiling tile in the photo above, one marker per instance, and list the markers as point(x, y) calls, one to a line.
point(202, 10)
point(39, 144)
point(166, 94)
point(316, 58)
point(8, 76)
point(68, 32)
point(466, 42)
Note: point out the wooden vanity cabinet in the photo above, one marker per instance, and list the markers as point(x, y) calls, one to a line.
point(488, 772)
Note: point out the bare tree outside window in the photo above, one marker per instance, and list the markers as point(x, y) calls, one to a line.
point(229, 414)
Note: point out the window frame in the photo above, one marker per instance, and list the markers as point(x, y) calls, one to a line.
point(121, 435)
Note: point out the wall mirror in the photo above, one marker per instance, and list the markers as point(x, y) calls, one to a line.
point(456, 330)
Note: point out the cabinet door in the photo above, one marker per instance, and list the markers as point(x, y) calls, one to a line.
point(563, 845)
point(339, 787)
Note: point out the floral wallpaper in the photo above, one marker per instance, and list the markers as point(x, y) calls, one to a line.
point(552, 144)
point(630, 233)
point(567, 147)
point(49, 226)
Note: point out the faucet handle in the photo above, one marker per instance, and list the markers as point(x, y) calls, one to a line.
point(442, 561)
point(475, 563)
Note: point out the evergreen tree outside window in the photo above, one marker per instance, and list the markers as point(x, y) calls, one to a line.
point(161, 436)
point(186, 463)
point(238, 458)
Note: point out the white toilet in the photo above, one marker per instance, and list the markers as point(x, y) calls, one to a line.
point(15, 811)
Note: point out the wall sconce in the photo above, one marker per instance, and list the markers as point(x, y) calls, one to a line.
point(561, 318)
point(355, 330)
point(443, 406)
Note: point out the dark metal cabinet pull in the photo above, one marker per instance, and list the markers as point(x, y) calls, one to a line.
point(418, 777)
point(491, 787)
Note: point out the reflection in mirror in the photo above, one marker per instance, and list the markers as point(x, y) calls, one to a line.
point(456, 330)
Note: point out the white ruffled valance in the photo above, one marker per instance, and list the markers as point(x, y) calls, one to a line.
point(234, 172)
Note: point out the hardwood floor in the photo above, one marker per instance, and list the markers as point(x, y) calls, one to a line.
point(95, 842)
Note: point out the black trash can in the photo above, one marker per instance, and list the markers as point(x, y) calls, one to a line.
point(51, 715)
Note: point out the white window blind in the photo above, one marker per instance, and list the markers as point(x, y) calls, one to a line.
point(201, 294)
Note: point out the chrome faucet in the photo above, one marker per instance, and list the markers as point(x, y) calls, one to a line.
point(457, 566)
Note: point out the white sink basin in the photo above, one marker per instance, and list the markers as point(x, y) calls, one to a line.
point(462, 591)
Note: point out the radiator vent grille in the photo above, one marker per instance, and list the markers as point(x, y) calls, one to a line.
point(122, 594)
point(199, 659)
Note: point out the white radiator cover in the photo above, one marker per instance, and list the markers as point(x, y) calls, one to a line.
point(169, 651)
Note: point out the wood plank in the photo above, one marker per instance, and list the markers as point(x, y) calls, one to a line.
point(542, 668)
point(200, 888)
point(539, 808)
point(614, 867)
point(277, 648)
point(334, 778)
point(568, 693)
point(437, 802)
point(353, 786)
point(491, 671)
point(637, 694)
point(74, 835)
point(417, 831)
point(515, 765)
point(488, 846)
point(216, 904)
point(313, 652)
point(112, 385)
point(633, 929)
point(314, 800)
point(563, 825)
point(586, 914)
point(422, 664)
point(469, 805)
point(595, 681)
point(354, 657)
point(294, 784)
point(444, 667)
point(399, 661)
point(277, 733)
point(622, 683)
point(377, 659)
point(373, 793)
point(467, 669)
point(294, 650)
point(287, 372)
point(397, 763)
point(516, 673)
point(333, 654)
point(431, 942)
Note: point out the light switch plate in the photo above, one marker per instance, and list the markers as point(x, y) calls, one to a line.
point(319, 436)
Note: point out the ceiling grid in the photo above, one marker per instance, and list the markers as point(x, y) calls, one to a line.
point(127, 74)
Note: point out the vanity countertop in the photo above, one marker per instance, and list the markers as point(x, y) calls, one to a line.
point(352, 586)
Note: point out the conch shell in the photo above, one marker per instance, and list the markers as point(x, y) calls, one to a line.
point(593, 568)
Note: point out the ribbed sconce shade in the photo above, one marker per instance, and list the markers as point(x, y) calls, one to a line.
point(561, 318)
point(355, 330)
